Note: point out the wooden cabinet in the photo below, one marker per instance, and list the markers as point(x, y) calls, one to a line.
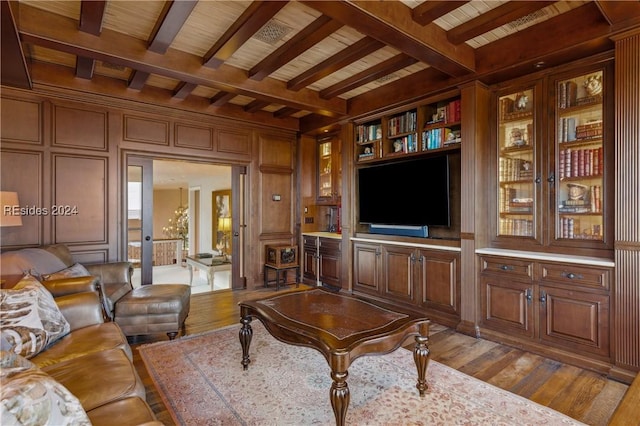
point(322, 261)
point(561, 305)
point(419, 278)
point(329, 168)
point(553, 150)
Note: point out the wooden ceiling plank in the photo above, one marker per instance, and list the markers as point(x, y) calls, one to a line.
point(84, 67)
point(183, 89)
point(137, 80)
point(255, 105)
point(91, 16)
point(617, 12)
point(391, 23)
point(312, 34)
point(430, 10)
point(62, 34)
point(13, 67)
point(171, 20)
point(367, 76)
point(494, 18)
point(221, 98)
point(347, 56)
point(251, 20)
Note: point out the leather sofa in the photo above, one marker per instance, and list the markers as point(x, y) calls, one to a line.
point(151, 309)
point(94, 360)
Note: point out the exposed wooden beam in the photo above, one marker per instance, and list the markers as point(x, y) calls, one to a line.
point(255, 105)
point(91, 16)
point(183, 89)
point(380, 70)
point(285, 112)
point(137, 80)
point(618, 12)
point(494, 18)
point(252, 19)
point(430, 10)
point(221, 98)
point(348, 55)
point(84, 67)
point(172, 18)
point(308, 37)
point(61, 34)
point(14, 71)
point(391, 23)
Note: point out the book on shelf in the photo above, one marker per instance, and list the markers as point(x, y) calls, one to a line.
point(583, 162)
point(449, 113)
point(567, 93)
point(368, 132)
point(402, 123)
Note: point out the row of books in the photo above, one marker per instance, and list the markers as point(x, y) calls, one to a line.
point(368, 132)
point(570, 131)
point(567, 94)
point(449, 113)
point(440, 137)
point(514, 169)
point(510, 203)
point(580, 162)
point(408, 143)
point(570, 228)
point(518, 227)
point(404, 123)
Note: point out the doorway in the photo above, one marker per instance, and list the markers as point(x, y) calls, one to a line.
point(170, 217)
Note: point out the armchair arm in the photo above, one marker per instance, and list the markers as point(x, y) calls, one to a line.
point(64, 286)
point(81, 309)
point(113, 272)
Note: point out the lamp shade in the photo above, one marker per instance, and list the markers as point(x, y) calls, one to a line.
point(9, 203)
point(224, 224)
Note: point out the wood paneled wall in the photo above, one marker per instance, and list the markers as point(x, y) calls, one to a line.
point(60, 151)
point(627, 230)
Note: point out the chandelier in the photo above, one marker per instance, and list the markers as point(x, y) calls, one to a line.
point(178, 226)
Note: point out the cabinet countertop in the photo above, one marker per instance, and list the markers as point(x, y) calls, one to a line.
point(550, 257)
point(323, 234)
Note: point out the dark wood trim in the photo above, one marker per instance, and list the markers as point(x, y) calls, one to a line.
point(14, 66)
point(172, 18)
point(429, 11)
point(91, 16)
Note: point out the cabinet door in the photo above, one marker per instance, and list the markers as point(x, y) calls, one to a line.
point(439, 280)
point(574, 319)
point(330, 262)
point(518, 168)
point(507, 305)
point(310, 260)
point(581, 150)
point(367, 268)
point(398, 278)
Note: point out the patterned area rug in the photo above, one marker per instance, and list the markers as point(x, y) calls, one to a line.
point(202, 382)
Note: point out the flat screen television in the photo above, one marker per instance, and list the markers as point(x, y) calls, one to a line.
point(407, 193)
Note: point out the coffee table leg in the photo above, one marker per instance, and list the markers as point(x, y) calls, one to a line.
point(246, 333)
point(421, 357)
point(340, 396)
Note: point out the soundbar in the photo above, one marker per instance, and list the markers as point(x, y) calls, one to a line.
point(407, 231)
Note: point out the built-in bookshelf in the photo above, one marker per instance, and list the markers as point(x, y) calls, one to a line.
point(429, 127)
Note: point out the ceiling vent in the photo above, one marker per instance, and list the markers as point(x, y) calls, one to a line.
point(113, 66)
point(528, 19)
point(385, 78)
point(272, 32)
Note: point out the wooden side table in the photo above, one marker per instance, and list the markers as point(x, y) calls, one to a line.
point(279, 270)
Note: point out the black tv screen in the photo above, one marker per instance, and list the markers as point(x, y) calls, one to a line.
point(408, 193)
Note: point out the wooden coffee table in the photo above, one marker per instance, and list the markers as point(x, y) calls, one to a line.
point(341, 327)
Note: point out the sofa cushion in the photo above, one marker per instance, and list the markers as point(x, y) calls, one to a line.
point(126, 411)
point(30, 260)
point(98, 378)
point(83, 341)
point(75, 270)
point(31, 397)
point(30, 317)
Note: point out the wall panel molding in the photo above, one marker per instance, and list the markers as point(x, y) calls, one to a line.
point(21, 121)
point(80, 128)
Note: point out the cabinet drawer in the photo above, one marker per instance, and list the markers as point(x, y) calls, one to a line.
point(507, 266)
point(330, 245)
point(575, 275)
point(309, 242)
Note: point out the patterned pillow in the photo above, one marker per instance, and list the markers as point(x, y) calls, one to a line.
point(30, 319)
point(30, 396)
point(76, 270)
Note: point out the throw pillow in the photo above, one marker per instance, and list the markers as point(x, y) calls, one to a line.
point(30, 396)
point(30, 318)
point(76, 270)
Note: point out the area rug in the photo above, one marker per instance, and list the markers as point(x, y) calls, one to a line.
point(202, 382)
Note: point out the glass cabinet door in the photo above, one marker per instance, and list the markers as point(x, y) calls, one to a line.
point(579, 158)
point(325, 175)
point(516, 164)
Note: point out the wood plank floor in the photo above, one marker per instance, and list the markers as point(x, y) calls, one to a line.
point(584, 395)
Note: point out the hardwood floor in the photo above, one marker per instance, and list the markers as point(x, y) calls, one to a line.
point(584, 395)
